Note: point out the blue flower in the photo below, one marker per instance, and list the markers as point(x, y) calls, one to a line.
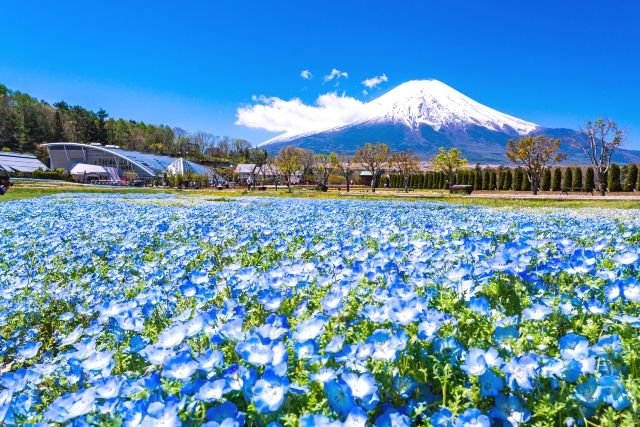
point(472, 417)
point(269, 392)
point(588, 393)
point(536, 312)
point(391, 417)
point(490, 384)
point(510, 410)
point(180, 367)
point(339, 397)
point(520, 372)
point(442, 418)
point(226, 414)
point(613, 392)
point(212, 390)
point(70, 406)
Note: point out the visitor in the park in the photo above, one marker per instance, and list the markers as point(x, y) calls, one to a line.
point(5, 183)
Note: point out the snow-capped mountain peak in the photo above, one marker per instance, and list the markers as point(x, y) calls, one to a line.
point(433, 103)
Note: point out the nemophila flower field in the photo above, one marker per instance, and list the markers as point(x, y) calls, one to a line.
point(146, 312)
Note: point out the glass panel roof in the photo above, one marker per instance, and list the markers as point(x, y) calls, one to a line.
point(14, 162)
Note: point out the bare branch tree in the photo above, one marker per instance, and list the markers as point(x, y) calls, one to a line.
point(344, 163)
point(602, 139)
point(322, 167)
point(373, 157)
point(406, 163)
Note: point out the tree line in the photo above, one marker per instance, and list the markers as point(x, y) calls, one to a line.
point(572, 178)
point(26, 122)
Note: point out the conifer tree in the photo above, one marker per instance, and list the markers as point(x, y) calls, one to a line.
point(632, 178)
point(567, 178)
point(577, 178)
point(589, 182)
point(546, 180)
point(614, 178)
point(556, 182)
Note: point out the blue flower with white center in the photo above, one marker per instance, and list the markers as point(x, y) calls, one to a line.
point(224, 415)
point(474, 363)
point(180, 367)
point(70, 406)
point(625, 258)
point(472, 417)
point(391, 417)
point(588, 393)
point(29, 350)
point(310, 329)
point(520, 372)
point(212, 390)
point(339, 397)
point(387, 346)
point(442, 418)
point(613, 392)
point(269, 392)
point(536, 312)
point(608, 345)
point(335, 345)
point(479, 305)
point(510, 411)
point(631, 289)
point(306, 349)
point(254, 351)
point(363, 388)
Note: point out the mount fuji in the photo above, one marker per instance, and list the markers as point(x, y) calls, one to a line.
point(426, 114)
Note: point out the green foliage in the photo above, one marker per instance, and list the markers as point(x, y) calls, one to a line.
point(517, 179)
point(614, 178)
point(589, 183)
point(567, 178)
point(632, 178)
point(556, 182)
point(577, 178)
point(546, 180)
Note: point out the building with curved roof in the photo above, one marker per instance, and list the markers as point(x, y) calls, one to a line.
point(18, 162)
point(110, 162)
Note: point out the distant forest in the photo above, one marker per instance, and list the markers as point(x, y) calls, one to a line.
point(26, 122)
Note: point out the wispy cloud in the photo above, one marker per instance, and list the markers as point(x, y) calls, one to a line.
point(375, 81)
point(278, 115)
point(306, 74)
point(336, 74)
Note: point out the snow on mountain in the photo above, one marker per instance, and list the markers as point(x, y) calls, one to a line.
point(427, 102)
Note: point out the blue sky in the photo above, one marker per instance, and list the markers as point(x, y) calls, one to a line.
point(194, 63)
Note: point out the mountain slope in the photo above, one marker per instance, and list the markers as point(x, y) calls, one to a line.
point(426, 114)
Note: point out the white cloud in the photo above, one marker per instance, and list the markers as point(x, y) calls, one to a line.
point(306, 74)
point(336, 74)
point(375, 81)
point(278, 115)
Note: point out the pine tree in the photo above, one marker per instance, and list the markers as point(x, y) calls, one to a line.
point(493, 180)
point(556, 182)
point(526, 184)
point(486, 179)
point(546, 180)
point(632, 178)
point(589, 182)
point(567, 178)
point(614, 178)
point(477, 182)
point(577, 178)
point(517, 179)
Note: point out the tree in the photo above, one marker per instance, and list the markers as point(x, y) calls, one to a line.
point(492, 180)
point(546, 180)
point(602, 138)
point(589, 183)
point(486, 179)
point(535, 155)
point(614, 178)
point(344, 163)
point(288, 162)
point(448, 162)
point(322, 166)
point(567, 178)
point(517, 180)
point(373, 157)
point(406, 163)
point(508, 179)
point(577, 178)
point(556, 182)
point(632, 178)
point(258, 158)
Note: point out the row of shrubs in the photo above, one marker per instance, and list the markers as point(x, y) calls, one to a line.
point(556, 179)
point(59, 174)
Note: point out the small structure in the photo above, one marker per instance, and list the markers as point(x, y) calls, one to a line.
point(18, 162)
